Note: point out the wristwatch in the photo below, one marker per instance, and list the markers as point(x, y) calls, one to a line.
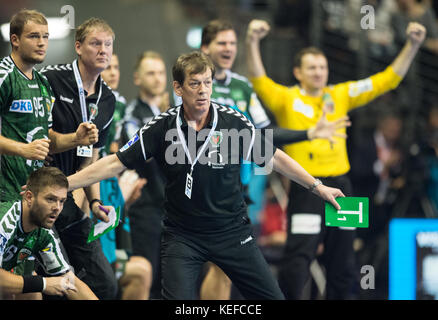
point(315, 184)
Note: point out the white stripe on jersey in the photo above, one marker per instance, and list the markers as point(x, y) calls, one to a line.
point(169, 112)
point(6, 67)
point(243, 118)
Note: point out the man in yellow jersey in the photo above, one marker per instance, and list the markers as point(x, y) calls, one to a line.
point(298, 108)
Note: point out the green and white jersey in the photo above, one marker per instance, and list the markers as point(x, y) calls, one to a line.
point(16, 245)
point(116, 125)
point(236, 91)
point(25, 115)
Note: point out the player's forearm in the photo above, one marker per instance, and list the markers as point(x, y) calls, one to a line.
point(92, 191)
point(104, 168)
point(60, 142)
point(254, 59)
point(404, 59)
point(11, 147)
point(291, 169)
point(10, 283)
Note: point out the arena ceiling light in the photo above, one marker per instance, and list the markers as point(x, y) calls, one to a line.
point(58, 29)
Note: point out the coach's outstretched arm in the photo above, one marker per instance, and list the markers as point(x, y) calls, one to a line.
point(102, 169)
point(292, 170)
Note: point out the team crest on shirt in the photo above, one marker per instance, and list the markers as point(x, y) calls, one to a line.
point(93, 110)
point(216, 138)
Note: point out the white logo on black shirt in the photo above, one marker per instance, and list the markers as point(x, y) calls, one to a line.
point(62, 98)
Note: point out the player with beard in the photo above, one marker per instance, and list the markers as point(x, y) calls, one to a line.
point(25, 230)
point(26, 101)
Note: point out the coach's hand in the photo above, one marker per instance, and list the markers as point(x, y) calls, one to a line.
point(101, 212)
point(329, 194)
point(87, 134)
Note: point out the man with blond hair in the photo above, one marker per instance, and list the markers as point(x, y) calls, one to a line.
point(26, 101)
point(82, 96)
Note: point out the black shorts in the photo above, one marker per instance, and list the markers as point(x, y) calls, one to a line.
point(235, 251)
point(305, 231)
point(145, 231)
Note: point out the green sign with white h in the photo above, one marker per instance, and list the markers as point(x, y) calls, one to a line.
point(353, 213)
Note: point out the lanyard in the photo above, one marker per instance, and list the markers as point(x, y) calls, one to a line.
point(183, 139)
point(81, 92)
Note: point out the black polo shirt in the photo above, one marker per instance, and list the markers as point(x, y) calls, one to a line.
point(217, 196)
point(67, 113)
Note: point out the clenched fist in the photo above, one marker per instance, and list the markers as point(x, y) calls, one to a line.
point(257, 30)
point(87, 134)
point(416, 33)
point(36, 150)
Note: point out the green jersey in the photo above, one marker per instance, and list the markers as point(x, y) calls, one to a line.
point(16, 245)
point(116, 124)
point(236, 91)
point(25, 115)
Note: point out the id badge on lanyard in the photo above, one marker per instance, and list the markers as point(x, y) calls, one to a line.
point(189, 179)
point(85, 151)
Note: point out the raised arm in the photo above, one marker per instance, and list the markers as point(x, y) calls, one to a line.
point(257, 30)
point(292, 170)
point(415, 33)
point(104, 168)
